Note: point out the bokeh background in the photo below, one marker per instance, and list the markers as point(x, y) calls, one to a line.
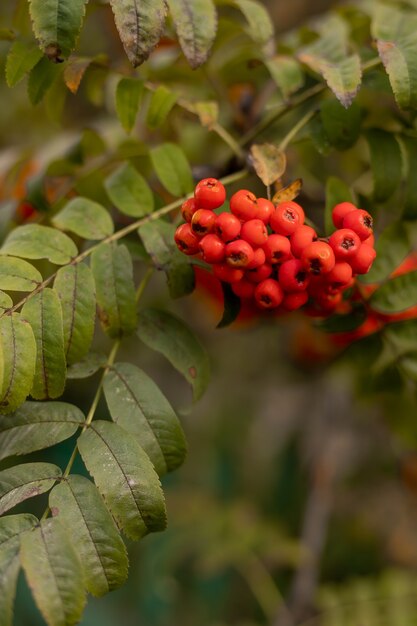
point(300, 485)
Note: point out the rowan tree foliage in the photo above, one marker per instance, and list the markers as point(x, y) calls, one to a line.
point(205, 89)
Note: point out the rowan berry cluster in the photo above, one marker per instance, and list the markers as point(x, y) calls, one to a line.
point(269, 255)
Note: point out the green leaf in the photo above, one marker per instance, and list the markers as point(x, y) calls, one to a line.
point(180, 279)
point(25, 481)
point(129, 191)
point(5, 302)
point(140, 26)
point(344, 323)
point(33, 241)
point(161, 103)
point(286, 74)
point(75, 287)
point(166, 333)
point(41, 78)
point(260, 26)
point(231, 307)
point(20, 60)
point(341, 126)
point(401, 337)
point(97, 542)
point(11, 527)
point(395, 30)
point(129, 93)
point(113, 274)
point(336, 191)
point(54, 573)
point(85, 218)
point(158, 239)
point(386, 162)
point(125, 478)
point(396, 295)
point(329, 56)
point(38, 425)
point(392, 246)
point(269, 162)
point(56, 24)
point(19, 357)
point(136, 403)
point(44, 313)
point(18, 275)
point(88, 366)
point(196, 23)
point(172, 168)
point(410, 201)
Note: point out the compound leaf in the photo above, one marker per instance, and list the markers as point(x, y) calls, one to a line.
point(129, 191)
point(18, 275)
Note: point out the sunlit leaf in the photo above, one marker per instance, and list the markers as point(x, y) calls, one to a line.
point(85, 218)
point(18, 275)
point(18, 360)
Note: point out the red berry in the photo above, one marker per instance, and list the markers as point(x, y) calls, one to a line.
point(286, 218)
point(239, 253)
point(362, 262)
point(265, 210)
point(268, 294)
point(277, 249)
point(186, 240)
point(202, 222)
point(359, 221)
point(254, 232)
point(318, 258)
point(210, 193)
point(370, 241)
point(227, 274)
point(295, 300)
point(244, 205)
point(340, 211)
point(259, 273)
point(227, 226)
point(303, 236)
point(212, 248)
point(345, 244)
point(258, 259)
point(243, 289)
point(339, 277)
point(188, 208)
point(328, 301)
point(293, 276)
